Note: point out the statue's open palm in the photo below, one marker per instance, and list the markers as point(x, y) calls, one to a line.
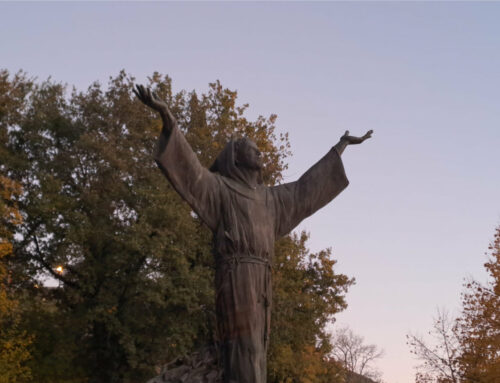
point(152, 100)
point(149, 98)
point(351, 140)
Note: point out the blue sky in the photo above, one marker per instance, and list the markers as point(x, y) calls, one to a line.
point(423, 200)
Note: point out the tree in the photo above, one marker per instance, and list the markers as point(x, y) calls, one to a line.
point(355, 356)
point(466, 349)
point(440, 356)
point(14, 343)
point(130, 258)
point(479, 325)
point(306, 294)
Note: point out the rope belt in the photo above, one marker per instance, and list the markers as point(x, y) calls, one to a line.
point(236, 259)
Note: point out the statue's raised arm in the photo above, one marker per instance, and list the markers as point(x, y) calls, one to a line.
point(319, 185)
point(176, 159)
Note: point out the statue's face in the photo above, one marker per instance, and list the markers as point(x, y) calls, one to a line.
point(248, 155)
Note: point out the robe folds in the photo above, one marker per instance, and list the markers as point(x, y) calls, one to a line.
point(245, 223)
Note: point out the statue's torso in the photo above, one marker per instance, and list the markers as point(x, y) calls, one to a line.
point(246, 221)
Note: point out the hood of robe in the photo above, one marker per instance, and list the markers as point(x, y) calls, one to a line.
point(225, 165)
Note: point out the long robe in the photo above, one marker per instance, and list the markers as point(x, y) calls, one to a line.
point(245, 223)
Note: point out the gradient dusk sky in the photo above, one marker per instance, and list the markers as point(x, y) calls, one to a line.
point(424, 193)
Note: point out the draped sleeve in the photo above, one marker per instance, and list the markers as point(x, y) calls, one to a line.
point(195, 183)
point(297, 200)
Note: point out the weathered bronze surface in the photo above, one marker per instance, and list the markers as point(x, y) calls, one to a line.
point(246, 218)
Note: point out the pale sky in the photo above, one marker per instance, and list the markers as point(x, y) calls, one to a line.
point(423, 199)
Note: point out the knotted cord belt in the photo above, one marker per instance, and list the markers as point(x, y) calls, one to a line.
point(235, 259)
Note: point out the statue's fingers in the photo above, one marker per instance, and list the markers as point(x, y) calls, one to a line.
point(346, 133)
point(367, 135)
point(142, 92)
point(139, 94)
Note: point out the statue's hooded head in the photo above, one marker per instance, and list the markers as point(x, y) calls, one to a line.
point(237, 159)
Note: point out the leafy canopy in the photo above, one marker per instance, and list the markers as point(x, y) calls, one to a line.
point(132, 265)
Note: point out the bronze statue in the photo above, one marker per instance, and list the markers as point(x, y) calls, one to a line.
point(246, 218)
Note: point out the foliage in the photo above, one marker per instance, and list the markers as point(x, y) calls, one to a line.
point(307, 293)
point(467, 349)
point(129, 264)
point(479, 324)
point(14, 343)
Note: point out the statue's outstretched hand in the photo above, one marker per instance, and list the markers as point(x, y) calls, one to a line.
point(152, 100)
point(351, 140)
point(149, 98)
